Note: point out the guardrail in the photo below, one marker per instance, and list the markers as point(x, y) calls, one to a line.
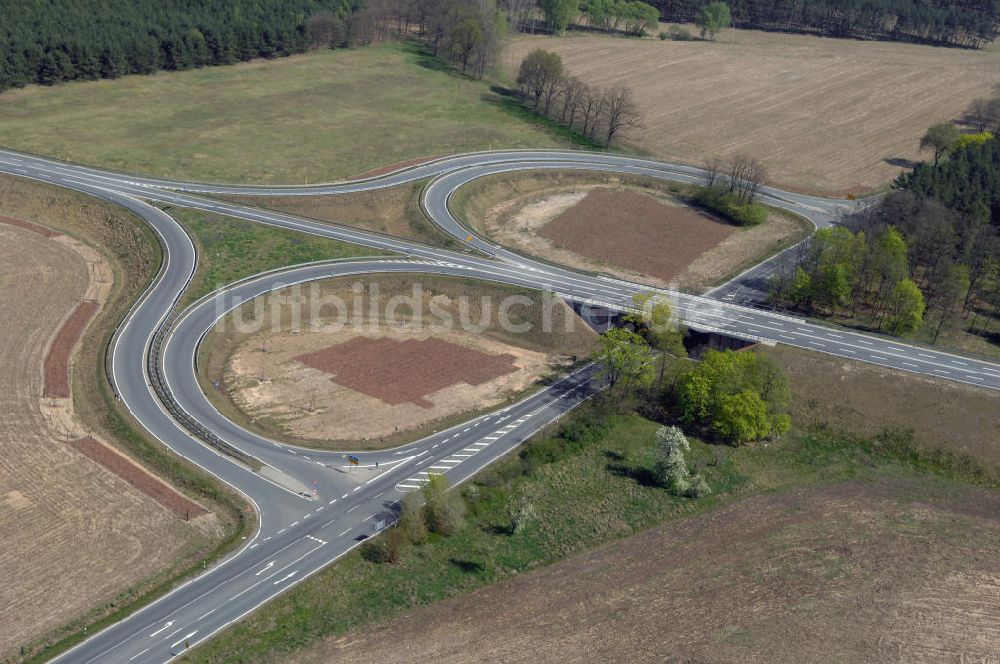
point(154, 369)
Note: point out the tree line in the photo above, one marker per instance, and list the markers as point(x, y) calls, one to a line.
point(60, 40)
point(600, 115)
point(927, 254)
point(967, 23)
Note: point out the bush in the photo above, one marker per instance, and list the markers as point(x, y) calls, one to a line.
point(677, 33)
point(444, 510)
point(663, 36)
point(387, 548)
point(411, 519)
point(721, 201)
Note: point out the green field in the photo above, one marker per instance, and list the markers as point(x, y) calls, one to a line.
point(231, 249)
point(306, 118)
point(589, 484)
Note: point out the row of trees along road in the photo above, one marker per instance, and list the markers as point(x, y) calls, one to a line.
point(926, 255)
point(600, 115)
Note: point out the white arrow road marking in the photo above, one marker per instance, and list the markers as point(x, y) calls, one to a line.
point(176, 643)
point(266, 567)
point(288, 576)
point(162, 629)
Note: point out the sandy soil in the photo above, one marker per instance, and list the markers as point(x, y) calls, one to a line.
point(320, 384)
point(823, 114)
point(307, 319)
point(893, 571)
point(862, 399)
point(75, 534)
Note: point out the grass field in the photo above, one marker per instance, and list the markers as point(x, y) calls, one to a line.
point(815, 529)
point(393, 211)
point(132, 254)
point(644, 230)
point(231, 249)
point(276, 394)
point(306, 118)
point(822, 114)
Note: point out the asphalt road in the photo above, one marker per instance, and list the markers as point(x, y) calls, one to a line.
point(313, 506)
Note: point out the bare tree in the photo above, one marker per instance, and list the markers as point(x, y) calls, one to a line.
point(571, 93)
point(620, 113)
point(713, 167)
point(746, 176)
point(591, 104)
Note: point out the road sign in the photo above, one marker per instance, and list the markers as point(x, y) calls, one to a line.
point(469, 238)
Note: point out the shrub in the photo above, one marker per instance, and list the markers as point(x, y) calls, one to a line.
point(411, 519)
point(677, 33)
point(444, 510)
point(721, 201)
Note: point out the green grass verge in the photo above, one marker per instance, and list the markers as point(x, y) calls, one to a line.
point(589, 484)
point(306, 118)
point(230, 249)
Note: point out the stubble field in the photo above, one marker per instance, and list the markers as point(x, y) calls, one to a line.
point(825, 115)
point(75, 534)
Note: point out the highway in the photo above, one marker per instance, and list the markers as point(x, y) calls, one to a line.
point(314, 507)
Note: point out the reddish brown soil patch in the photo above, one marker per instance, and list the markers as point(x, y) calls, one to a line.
point(57, 361)
point(139, 478)
point(635, 231)
point(382, 170)
point(406, 371)
point(28, 226)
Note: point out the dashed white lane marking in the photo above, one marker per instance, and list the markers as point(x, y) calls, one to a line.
point(847, 350)
point(785, 336)
point(925, 355)
point(357, 488)
point(287, 577)
point(306, 516)
point(344, 533)
point(292, 525)
point(879, 357)
point(461, 455)
point(353, 508)
point(319, 509)
point(816, 343)
point(910, 364)
point(975, 378)
point(862, 341)
point(280, 531)
point(441, 467)
point(941, 371)
point(491, 438)
point(345, 495)
point(206, 614)
point(332, 501)
point(964, 364)
point(183, 639)
point(138, 655)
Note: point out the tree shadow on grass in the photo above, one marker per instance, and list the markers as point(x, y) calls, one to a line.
point(641, 476)
point(468, 566)
point(901, 162)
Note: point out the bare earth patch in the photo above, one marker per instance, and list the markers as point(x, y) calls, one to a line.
point(58, 358)
point(75, 534)
point(828, 115)
point(406, 371)
point(385, 379)
point(897, 570)
point(139, 478)
point(628, 227)
point(431, 344)
point(635, 231)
